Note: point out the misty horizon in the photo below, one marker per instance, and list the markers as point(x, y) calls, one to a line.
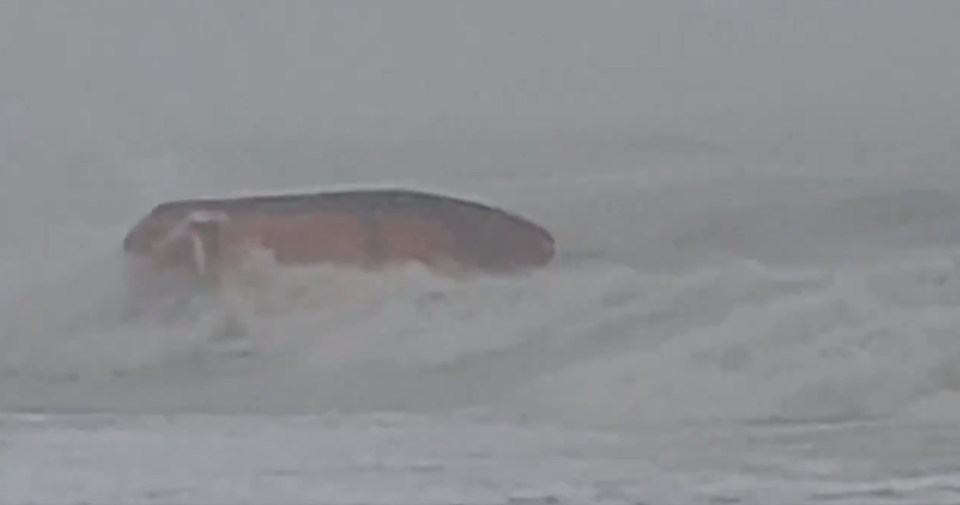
point(178, 75)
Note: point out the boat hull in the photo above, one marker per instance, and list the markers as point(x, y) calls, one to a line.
point(369, 229)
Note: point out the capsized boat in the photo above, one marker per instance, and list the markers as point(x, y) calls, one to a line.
point(362, 228)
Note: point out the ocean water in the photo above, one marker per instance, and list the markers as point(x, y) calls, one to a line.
point(712, 332)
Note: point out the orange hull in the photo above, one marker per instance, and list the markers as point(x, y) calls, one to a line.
point(359, 228)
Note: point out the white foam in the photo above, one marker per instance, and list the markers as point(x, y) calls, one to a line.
point(697, 306)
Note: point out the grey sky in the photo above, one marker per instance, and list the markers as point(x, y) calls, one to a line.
point(131, 71)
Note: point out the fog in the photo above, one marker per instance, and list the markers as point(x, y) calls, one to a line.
point(755, 210)
point(216, 77)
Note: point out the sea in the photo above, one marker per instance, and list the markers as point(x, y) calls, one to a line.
point(716, 329)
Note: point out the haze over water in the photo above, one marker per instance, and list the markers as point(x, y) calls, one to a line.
point(756, 209)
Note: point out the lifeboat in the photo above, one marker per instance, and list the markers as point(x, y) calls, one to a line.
point(367, 228)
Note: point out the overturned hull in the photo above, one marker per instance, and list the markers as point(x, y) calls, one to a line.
point(368, 229)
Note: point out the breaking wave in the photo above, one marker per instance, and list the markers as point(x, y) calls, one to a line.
point(684, 308)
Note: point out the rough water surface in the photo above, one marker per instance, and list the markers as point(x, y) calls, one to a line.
point(702, 338)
